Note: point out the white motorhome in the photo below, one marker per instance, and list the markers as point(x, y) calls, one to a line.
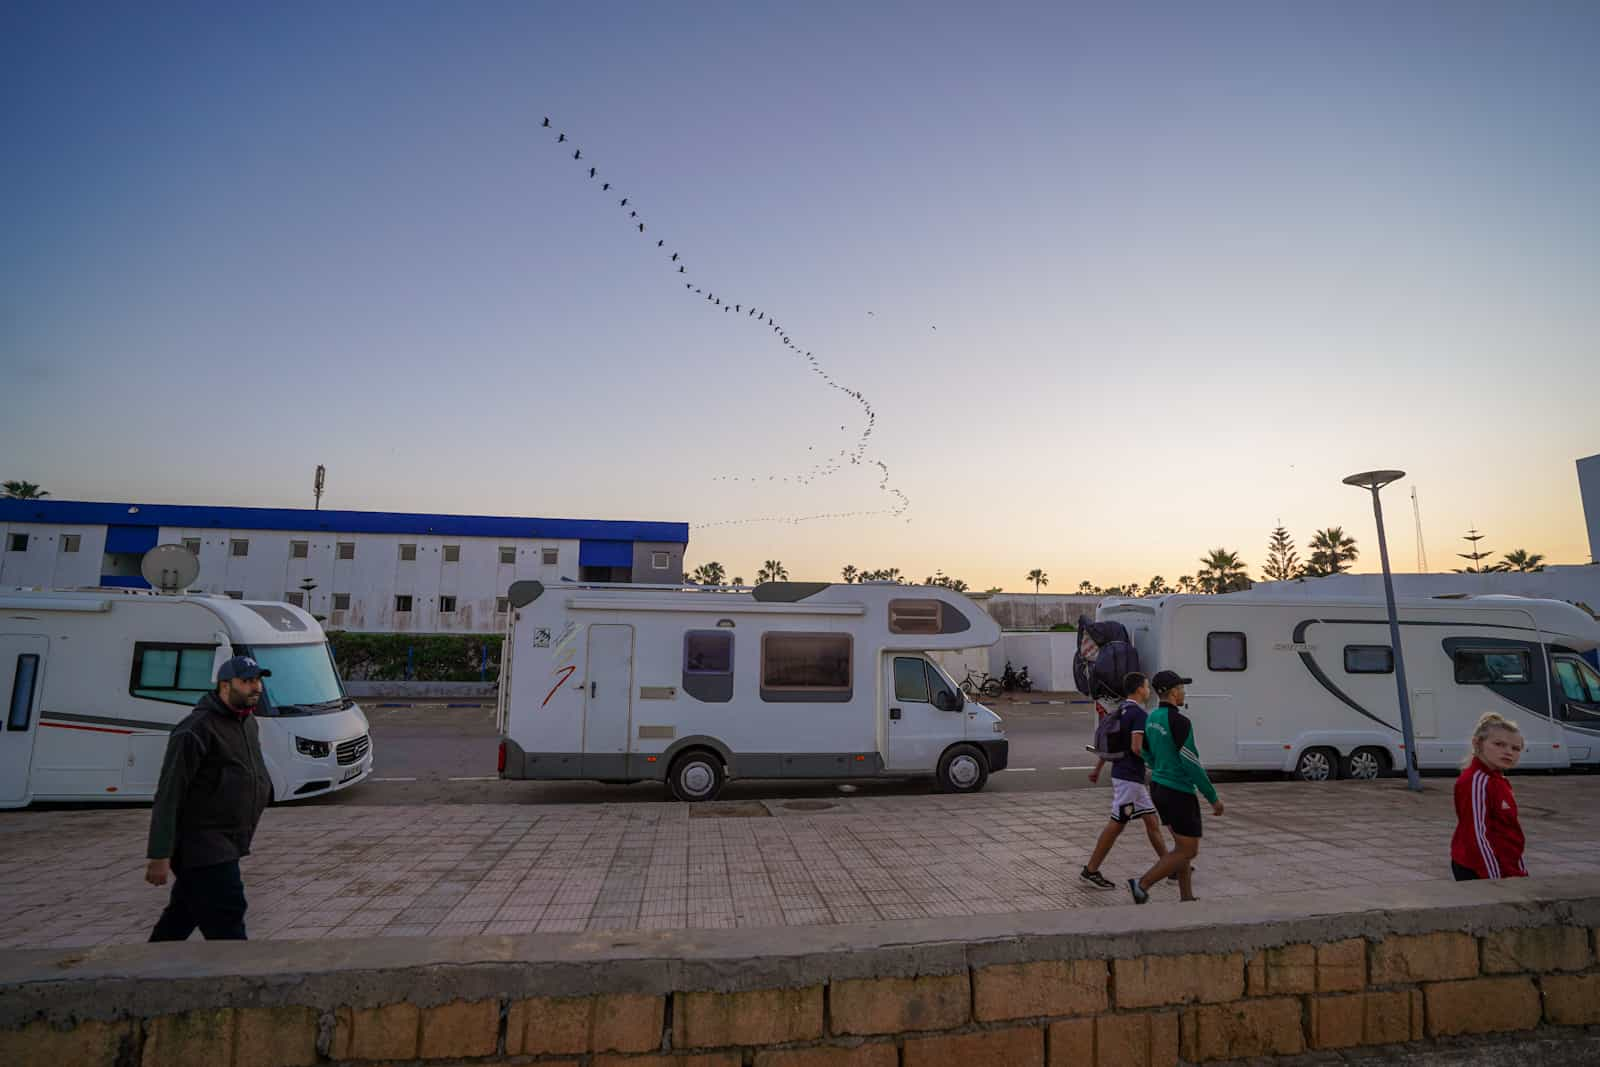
point(96, 680)
point(626, 683)
point(1307, 684)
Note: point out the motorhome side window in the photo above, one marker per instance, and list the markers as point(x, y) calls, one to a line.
point(810, 668)
point(1368, 659)
point(1225, 651)
point(1492, 667)
point(708, 665)
point(177, 674)
point(23, 683)
point(923, 616)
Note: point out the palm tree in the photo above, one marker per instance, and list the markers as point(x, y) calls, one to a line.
point(1222, 571)
point(1088, 588)
point(1157, 587)
point(708, 574)
point(1186, 583)
point(23, 491)
point(1522, 561)
point(737, 581)
point(771, 571)
point(1331, 552)
point(1038, 577)
point(849, 573)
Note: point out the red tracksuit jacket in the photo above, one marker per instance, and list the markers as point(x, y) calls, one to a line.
point(1488, 837)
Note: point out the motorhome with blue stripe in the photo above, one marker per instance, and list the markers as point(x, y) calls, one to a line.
point(1307, 684)
point(697, 686)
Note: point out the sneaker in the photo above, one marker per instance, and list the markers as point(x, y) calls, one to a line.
point(1140, 896)
point(1096, 879)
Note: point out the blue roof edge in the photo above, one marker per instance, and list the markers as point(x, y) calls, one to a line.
point(94, 513)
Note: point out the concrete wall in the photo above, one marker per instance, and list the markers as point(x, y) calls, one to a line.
point(1024, 611)
point(1577, 584)
point(1273, 976)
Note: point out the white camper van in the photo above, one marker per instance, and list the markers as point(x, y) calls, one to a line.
point(1307, 684)
point(97, 679)
point(626, 683)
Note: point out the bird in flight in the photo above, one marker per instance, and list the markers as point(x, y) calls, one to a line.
point(641, 227)
point(661, 242)
point(674, 257)
point(606, 186)
point(547, 120)
point(623, 202)
point(591, 172)
point(563, 137)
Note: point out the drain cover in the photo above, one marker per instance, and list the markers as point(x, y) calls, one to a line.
point(745, 810)
point(808, 805)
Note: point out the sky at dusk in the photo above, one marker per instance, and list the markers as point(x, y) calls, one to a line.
point(1121, 282)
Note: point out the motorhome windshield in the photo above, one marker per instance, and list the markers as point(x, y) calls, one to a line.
point(303, 680)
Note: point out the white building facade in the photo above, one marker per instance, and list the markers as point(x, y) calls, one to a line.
point(375, 572)
point(1589, 488)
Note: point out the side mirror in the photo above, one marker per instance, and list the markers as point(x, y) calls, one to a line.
point(944, 700)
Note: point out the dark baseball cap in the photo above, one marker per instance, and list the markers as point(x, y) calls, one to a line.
point(1165, 680)
point(242, 667)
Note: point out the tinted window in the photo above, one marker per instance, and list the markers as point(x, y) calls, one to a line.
point(1492, 667)
point(176, 674)
point(805, 662)
point(910, 679)
point(1572, 686)
point(707, 652)
point(1368, 659)
point(1225, 651)
point(915, 616)
point(22, 687)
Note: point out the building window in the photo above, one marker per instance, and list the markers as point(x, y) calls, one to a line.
point(408, 553)
point(402, 604)
point(1483, 666)
point(23, 683)
point(17, 542)
point(71, 542)
point(922, 616)
point(177, 674)
point(234, 594)
point(550, 556)
point(347, 550)
point(660, 561)
point(1368, 659)
point(297, 599)
point(502, 605)
point(508, 554)
point(299, 549)
point(341, 602)
point(193, 545)
point(1225, 651)
point(805, 667)
point(452, 553)
point(239, 546)
point(447, 604)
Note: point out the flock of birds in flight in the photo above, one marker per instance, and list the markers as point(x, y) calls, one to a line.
point(855, 455)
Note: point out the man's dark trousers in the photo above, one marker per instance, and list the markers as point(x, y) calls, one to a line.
point(211, 898)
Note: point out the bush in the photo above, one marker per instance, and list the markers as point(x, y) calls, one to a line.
point(431, 657)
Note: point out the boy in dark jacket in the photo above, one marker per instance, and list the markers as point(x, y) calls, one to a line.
point(214, 786)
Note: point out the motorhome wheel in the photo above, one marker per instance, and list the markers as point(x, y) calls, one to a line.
point(696, 776)
point(1366, 764)
point(963, 770)
point(1317, 765)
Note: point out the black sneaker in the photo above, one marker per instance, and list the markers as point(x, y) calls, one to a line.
point(1140, 896)
point(1096, 879)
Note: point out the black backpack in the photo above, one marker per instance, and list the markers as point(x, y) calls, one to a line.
point(1105, 656)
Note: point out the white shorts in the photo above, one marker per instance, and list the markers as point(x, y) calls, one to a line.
point(1130, 800)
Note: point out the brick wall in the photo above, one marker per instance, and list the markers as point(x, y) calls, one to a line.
point(1080, 1001)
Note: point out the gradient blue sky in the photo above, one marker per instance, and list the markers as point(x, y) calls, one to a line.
point(1189, 265)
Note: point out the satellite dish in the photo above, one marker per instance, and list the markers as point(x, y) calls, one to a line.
point(170, 568)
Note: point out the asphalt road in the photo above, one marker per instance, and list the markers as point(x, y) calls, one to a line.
point(432, 753)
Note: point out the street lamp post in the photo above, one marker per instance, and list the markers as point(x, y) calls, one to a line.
point(1374, 481)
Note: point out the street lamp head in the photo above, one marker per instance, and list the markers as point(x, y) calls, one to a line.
point(1374, 479)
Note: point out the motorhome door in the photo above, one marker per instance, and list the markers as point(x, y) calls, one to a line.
point(924, 713)
point(21, 680)
point(608, 685)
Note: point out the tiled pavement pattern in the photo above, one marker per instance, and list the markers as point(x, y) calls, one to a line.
point(72, 878)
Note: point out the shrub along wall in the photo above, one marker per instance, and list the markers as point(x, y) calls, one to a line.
point(417, 657)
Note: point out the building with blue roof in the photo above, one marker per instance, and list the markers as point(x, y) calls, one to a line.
point(375, 571)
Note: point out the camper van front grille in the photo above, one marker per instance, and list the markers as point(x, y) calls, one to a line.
point(353, 750)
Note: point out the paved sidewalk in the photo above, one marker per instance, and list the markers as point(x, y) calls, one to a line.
point(73, 878)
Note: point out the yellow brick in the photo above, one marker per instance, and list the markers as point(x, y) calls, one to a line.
point(689, 1059)
point(91, 1043)
point(460, 1029)
point(622, 1022)
point(193, 1037)
point(1290, 969)
point(1540, 949)
point(1403, 959)
point(1337, 1021)
point(1027, 990)
point(1164, 1039)
point(1342, 966)
point(1392, 1017)
point(1244, 1028)
point(757, 1017)
point(1072, 1043)
point(1482, 1006)
point(1572, 1000)
point(275, 1037)
point(1015, 1047)
point(875, 1054)
point(1138, 1040)
point(1153, 981)
point(895, 1005)
point(383, 1033)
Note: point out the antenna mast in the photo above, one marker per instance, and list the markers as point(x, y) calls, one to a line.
point(316, 486)
point(1422, 549)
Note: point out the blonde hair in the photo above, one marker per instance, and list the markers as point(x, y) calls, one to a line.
point(1489, 720)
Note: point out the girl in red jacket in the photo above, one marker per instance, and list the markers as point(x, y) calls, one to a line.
point(1488, 839)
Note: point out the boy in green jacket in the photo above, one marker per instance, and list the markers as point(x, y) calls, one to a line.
point(1175, 774)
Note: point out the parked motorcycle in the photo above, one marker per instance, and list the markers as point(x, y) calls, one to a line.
point(1013, 681)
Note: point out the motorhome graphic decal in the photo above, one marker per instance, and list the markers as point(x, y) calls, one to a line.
point(566, 672)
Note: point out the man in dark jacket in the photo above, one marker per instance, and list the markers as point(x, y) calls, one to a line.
point(214, 787)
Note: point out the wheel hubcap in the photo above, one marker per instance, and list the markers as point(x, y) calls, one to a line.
point(1314, 767)
point(963, 771)
point(1364, 765)
point(696, 779)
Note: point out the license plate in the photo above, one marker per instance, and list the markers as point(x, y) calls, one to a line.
point(353, 772)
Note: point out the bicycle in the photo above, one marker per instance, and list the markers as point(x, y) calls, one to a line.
point(986, 683)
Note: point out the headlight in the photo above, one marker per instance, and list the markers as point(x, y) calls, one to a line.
point(314, 749)
point(1000, 727)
